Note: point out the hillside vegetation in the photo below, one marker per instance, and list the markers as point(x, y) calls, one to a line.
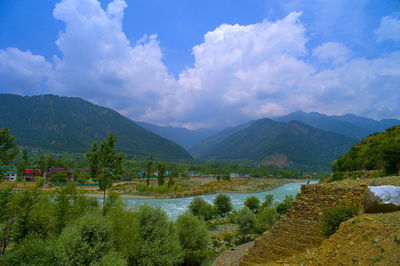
point(380, 151)
point(278, 144)
point(71, 124)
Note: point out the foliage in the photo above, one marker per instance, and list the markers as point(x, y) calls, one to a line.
point(84, 242)
point(8, 147)
point(379, 151)
point(193, 237)
point(333, 217)
point(161, 174)
point(33, 250)
point(105, 162)
point(265, 219)
point(223, 204)
point(59, 177)
point(285, 204)
point(40, 182)
point(199, 207)
point(157, 241)
point(253, 203)
point(246, 220)
point(269, 198)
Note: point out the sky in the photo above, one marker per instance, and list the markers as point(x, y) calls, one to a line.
point(209, 63)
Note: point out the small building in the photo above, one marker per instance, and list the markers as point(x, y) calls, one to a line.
point(10, 173)
point(234, 175)
point(30, 175)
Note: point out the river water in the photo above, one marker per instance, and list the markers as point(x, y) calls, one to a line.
point(174, 207)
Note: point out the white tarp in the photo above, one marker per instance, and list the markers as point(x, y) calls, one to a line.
point(388, 194)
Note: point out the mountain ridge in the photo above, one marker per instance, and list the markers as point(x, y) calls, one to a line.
point(71, 124)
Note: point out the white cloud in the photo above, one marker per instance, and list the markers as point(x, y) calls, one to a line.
point(337, 53)
point(389, 29)
point(241, 72)
point(22, 72)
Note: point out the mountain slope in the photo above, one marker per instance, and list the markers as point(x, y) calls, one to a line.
point(274, 143)
point(376, 152)
point(182, 136)
point(72, 124)
point(202, 147)
point(350, 125)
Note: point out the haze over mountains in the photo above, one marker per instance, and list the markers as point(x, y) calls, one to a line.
point(72, 124)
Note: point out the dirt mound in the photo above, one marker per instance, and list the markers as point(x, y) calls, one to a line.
point(366, 239)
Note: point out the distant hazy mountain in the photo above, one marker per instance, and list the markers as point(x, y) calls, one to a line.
point(350, 125)
point(208, 143)
point(72, 124)
point(278, 143)
point(182, 136)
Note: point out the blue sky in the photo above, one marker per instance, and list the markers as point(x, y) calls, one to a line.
point(206, 63)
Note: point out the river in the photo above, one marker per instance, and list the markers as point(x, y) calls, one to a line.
point(175, 206)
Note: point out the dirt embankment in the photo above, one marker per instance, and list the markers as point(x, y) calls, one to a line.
point(366, 239)
point(298, 231)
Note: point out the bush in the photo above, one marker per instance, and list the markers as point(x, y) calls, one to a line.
point(223, 204)
point(265, 219)
point(253, 203)
point(246, 220)
point(268, 201)
point(193, 237)
point(333, 217)
point(40, 182)
point(157, 242)
point(85, 241)
point(199, 207)
point(285, 204)
point(59, 177)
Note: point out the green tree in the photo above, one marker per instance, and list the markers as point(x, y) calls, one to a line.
point(84, 242)
point(8, 149)
point(59, 177)
point(246, 220)
point(265, 218)
point(268, 201)
point(105, 163)
point(201, 208)
point(157, 242)
point(253, 203)
point(285, 204)
point(223, 204)
point(149, 166)
point(161, 174)
point(391, 157)
point(193, 237)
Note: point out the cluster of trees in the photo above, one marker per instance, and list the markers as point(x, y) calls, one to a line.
point(66, 228)
point(380, 151)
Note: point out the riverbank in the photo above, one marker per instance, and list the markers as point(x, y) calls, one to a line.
point(196, 187)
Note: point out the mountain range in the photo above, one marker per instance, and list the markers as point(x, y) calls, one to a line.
point(276, 143)
point(72, 124)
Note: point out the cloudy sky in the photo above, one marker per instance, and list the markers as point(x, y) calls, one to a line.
point(209, 63)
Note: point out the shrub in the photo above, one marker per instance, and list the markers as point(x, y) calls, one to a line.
point(157, 242)
point(40, 182)
point(268, 201)
point(246, 220)
point(85, 241)
point(333, 217)
point(199, 207)
point(253, 203)
point(223, 204)
point(265, 219)
point(193, 237)
point(285, 204)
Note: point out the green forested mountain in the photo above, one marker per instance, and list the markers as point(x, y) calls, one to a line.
point(209, 143)
point(280, 144)
point(376, 152)
point(72, 124)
